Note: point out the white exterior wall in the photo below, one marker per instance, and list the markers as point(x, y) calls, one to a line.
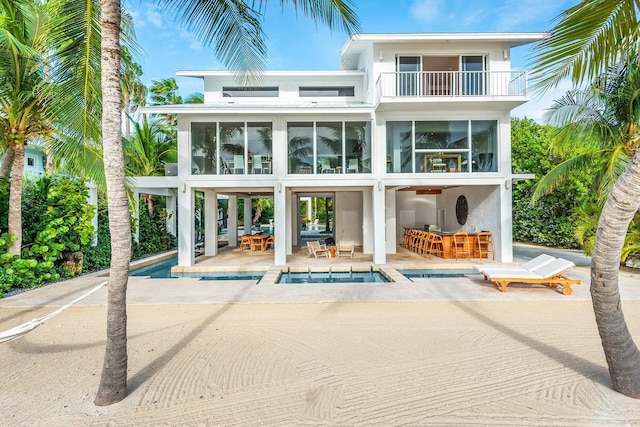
point(374, 195)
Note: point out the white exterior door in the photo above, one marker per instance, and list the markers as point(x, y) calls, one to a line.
point(350, 226)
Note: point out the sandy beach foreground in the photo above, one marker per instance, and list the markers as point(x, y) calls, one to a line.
point(379, 363)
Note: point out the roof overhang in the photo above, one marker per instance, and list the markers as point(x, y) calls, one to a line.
point(234, 108)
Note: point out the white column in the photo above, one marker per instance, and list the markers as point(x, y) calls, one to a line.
point(367, 222)
point(291, 213)
point(170, 206)
point(210, 223)
point(378, 199)
point(247, 215)
point(280, 224)
point(136, 215)
point(93, 201)
point(186, 226)
point(390, 221)
point(232, 221)
point(504, 242)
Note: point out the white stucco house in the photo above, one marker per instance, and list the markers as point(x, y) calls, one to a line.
point(409, 123)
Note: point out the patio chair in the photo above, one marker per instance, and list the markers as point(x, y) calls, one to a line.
point(346, 247)
point(326, 166)
point(245, 242)
point(238, 164)
point(551, 274)
point(271, 240)
point(256, 242)
point(257, 165)
point(352, 167)
point(315, 249)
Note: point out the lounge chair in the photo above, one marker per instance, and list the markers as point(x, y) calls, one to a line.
point(315, 249)
point(551, 274)
point(530, 265)
point(346, 247)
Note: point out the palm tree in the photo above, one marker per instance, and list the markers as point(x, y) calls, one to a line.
point(151, 146)
point(595, 124)
point(24, 94)
point(588, 39)
point(234, 30)
point(134, 92)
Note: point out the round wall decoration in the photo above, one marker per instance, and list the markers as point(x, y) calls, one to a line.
point(462, 210)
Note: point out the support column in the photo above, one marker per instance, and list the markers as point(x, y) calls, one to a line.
point(504, 242)
point(186, 226)
point(247, 215)
point(170, 207)
point(210, 223)
point(280, 224)
point(232, 221)
point(367, 222)
point(390, 221)
point(136, 215)
point(378, 199)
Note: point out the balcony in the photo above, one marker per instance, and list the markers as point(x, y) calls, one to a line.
point(425, 86)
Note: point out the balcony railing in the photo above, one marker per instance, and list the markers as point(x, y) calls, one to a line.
point(415, 84)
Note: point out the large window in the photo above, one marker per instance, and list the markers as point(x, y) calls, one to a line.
point(203, 148)
point(250, 92)
point(329, 147)
point(442, 146)
point(231, 148)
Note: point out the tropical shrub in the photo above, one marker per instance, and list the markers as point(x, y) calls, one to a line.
point(56, 222)
point(551, 220)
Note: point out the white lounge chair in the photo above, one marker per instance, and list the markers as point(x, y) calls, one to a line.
point(530, 265)
point(550, 274)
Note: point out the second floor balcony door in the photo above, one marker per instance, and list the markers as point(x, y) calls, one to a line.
point(408, 75)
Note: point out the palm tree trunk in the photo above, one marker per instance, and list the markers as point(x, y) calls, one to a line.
point(7, 162)
point(15, 198)
point(623, 357)
point(113, 383)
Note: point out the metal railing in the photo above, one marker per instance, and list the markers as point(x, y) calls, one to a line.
point(414, 84)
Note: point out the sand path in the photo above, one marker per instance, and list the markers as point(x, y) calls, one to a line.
point(381, 363)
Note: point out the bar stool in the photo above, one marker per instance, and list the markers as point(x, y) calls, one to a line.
point(485, 245)
point(461, 245)
point(436, 245)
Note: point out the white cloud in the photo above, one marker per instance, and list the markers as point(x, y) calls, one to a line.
point(528, 13)
point(426, 10)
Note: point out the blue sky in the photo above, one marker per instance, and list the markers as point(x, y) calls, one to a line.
point(297, 43)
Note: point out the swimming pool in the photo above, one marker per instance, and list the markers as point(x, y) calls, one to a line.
point(158, 270)
point(437, 273)
point(289, 278)
point(162, 270)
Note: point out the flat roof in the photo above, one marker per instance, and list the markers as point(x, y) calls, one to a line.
point(357, 41)
point(248, 108)
point(276, 73)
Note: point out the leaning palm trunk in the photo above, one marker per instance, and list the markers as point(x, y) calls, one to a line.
point(15, 198)
point(7, 162)
point(623, 357)
point(113, 383)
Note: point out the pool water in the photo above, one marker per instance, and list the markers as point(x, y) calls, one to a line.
point(331, 277)
point(162, 270)
point(159, 270)
point(435, 273)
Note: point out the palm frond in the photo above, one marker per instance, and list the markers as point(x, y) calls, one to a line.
point(560, 174)
point(585, 40)
point(231, 27)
